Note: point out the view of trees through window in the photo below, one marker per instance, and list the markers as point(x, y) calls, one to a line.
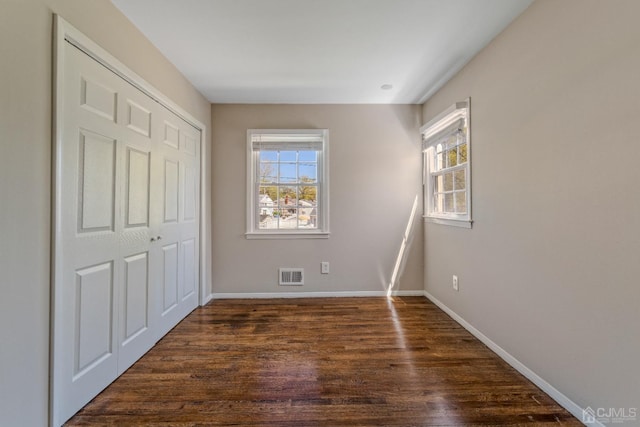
point(449, 190)
point(288, 189)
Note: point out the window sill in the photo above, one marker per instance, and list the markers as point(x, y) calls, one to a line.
point(295, 235)
point(463, 223)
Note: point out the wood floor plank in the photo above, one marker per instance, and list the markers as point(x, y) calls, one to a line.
point(321, 362)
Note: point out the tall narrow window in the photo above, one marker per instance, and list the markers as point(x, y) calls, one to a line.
point(288, 183)
point(447, 166)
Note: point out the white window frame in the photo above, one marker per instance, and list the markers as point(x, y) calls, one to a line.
point(284, 136)
point(455, 119)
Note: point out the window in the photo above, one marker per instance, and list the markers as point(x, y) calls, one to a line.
point(447, 166)
point(287, 183)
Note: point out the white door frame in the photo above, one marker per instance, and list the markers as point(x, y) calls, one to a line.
point(66, 33)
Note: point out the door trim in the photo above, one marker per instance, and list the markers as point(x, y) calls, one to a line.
point(66, 33)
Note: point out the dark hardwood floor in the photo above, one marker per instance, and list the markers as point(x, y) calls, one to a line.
point(321, 362)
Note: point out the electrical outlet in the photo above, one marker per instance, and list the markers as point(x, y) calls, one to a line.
point(324, 267)
point(455, 283)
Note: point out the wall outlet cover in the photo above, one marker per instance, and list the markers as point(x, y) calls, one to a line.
point(324, 267)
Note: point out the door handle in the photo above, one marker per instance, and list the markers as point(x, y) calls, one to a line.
point(153, 239)
point(159, 237)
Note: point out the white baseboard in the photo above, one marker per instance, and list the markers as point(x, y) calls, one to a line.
point(262, 295)
point(556, 395)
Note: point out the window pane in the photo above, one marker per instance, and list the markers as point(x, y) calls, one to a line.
point(271, 156)
point(307, 173)
point(448, 202)
point(268, 173)
point(289, 219)
point(462, 152)
point(437, 202)
point(288, 173)
point(271, 193)
point(308, 193)
point(452, 157)
point(308, 156)
point(452, 141)
point(288, 156)
point(287, 197)
point(448, 181)
point(459, 180)
point(267, 207)
point(311, 223)
point(308, 207)
point(461, 201)
point(440, 161)
point(268, 223)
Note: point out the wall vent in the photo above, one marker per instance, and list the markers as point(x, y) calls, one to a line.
point(291, 276)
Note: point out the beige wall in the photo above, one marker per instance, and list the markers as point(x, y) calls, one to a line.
point(25, 159)
point(375, 177)
point(550, 270)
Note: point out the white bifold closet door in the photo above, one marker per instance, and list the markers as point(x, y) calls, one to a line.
point(128, 184)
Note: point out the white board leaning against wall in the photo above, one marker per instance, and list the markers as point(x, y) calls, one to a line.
point(127, 220)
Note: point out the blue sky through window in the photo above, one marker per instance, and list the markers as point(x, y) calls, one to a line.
point(290, 166)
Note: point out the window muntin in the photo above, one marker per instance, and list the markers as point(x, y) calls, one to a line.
point(447, 161)
point(288, 183)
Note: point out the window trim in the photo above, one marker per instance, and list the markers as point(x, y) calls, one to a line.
point(432, 132)
point(252, 230)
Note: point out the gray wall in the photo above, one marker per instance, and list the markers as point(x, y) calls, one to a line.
point(550, 271)
point(375, 177)
point(25, 167)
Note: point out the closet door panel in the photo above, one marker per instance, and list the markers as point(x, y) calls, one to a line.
point(189, 269)
point(136, 291)
point(136, 331)
point(85, 349)
point(169, 278)
point(94, 317)
point(137, 188)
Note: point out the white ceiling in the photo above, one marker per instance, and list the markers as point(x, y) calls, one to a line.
point(320, 51)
